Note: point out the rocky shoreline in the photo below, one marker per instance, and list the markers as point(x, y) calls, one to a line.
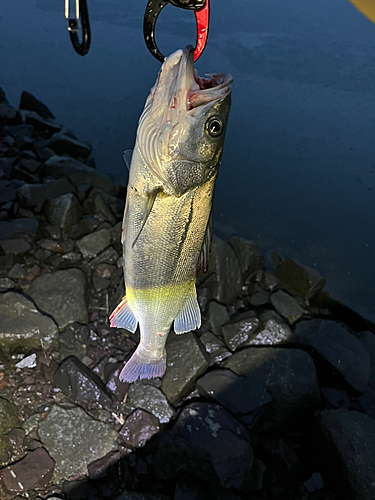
point(272, 398)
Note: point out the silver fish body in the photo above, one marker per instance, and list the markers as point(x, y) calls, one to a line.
point(172, 176)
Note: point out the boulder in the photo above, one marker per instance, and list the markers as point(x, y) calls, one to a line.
point(64, 144)
point(151, 399)
point(287, 306)
point(139, 428)
point(272, 330)
point(248, 256)
point(24, 225)
point(216, 314)
point(239, 329)
point(31, 103)
point(64, 211)
point(94, 243)
point(32, 194)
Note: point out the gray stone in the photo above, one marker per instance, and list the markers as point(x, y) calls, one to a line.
point(237, 331)
point(339, 348)
point(6, 284)
point(299, 280)
point(15, 246)
point(9, 229)
point(78, 173)
point(288, 375)
point(149, 398)
point(139, 428)
point(27, 362)
point(345, 450)
point(272, 330)
point(64, 211)
point(185, 363)
point(248, 256)
point(39, 123)
point(62, 294)
point(259, 297)
point(287, 306)
point(94, 243)
point(17, 272)
point(216, 314)
point(64, 144)
point(31, 103)
point(32, 194)
point(74, 439)
point(215, 348)
point(9, 418)
point(23, 327)
point(117, 205)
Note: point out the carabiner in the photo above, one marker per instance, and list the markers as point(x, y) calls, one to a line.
point(153, 9)
point(73, 27)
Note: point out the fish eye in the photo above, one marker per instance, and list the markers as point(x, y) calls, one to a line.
point(214, 127)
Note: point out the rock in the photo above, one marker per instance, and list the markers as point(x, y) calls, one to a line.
point(133, 495)
point(100, 283)
point(23, 327)
point(15, 246)
point(104, 271)
point(46, 126)
point(149, 398)
point(139, 428)
point(215, 348)
point(8, 114)
point(207, 442)
point(78, 173)
point(27, 362)
point(240, 395)
point(185, 363)
point(335, 398)
point(240, 329)
point(224, 266)
point(248, 256)
point(314, 483)
point(259, 297)
point(17, 272)
point(32, 194)
point(74, 440)
point(7, 193)
point(101, 467)
point(31, 103)
point(109, 256)
point(8, 419)
point(283, 458)
point(64, 211)
point(10, 229)
point(216, 315)
point(6, 284)
point(80, 384)
point(368, 341)
point(288, 375)
point(32, 472)
point(64, 144)
point(94, 243)
point(272, 330)
point(347, 440)
point(95, 203)
point(338, 347)
point(62, 294)
point(287, 306)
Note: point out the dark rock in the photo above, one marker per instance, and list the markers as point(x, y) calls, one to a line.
point(314, 483)
point(338, 347)
point(100, 283)
point(45, 154)
point(104, 271)
point(272, 330)
point(53, 232)
point(32, 472)
point(133, 495)
point(215, 348)
point(109, 256)
point(287, 306)
point(368, 341)
point(283, 458)
point(216, 315)
point(260, 297)
point(267, 280)
point(15, 246)
point(85, 226)
point(8, 114)
point(117, 388)
point(32, 194)
point(95, 204)
point(47, 126)
point(151, 399)
point(80, 383)
point(63, 144)
point(240, 329)
point(31, 166)
point(101, 467)
point(335, 398)
point(139, 428)
point(345, 449)
point(64, 211)
point(185, 363)
point(248, 256)
point(23, 327)
point(62, 247)
point(17, 272)
point(62, 294)
point(209, 443)
point(288, 375)
point(94, 243)
point(18, 226)
point(7, 193)
point(31, 103)
point(9, 418)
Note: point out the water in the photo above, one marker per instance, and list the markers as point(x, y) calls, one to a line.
point(298, 172)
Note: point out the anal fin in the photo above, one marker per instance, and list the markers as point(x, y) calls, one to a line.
point(123, 317)
point(190, 316)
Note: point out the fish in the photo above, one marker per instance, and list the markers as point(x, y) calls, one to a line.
point(166, 227)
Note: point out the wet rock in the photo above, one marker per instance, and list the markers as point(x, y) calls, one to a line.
point(347, 440)
point(288, 375)
point(81, 384)
point(185, 363)
point(15, 246)
point(209, 443)
point(31, 103)
point(74, 440)
point(64, 211)
point(94, 243)
point(338, 347)
point(237, 331)
point(8, 420)
point(248, 256)
point(32, 194)
point(151, 399)
point(62, 295)
point(287, 306)
point(10, 229)
point(32, 472)
point(27, 362)
point(78, 173)
point(225, 270)
point(139, 428)
point(244, 397)
point(23, 327)
point(216, 315)
point(101, 467)
point(272, 330)
point(62, 143)
point(215, 348)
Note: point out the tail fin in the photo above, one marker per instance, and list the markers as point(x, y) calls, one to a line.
point(141, 367)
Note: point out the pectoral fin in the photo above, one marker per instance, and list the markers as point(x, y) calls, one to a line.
point(189, 317)
point(127, 157)
point(123, 317)
point(150, 200)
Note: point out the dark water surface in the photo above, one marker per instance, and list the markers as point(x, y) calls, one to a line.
point(298, 173)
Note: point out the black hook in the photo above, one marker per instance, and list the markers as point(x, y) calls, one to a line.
point(73, 27)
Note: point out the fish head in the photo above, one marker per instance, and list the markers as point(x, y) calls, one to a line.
point(182, 128)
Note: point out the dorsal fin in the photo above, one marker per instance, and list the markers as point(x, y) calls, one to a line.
point(151, 197)
point(127, 157)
